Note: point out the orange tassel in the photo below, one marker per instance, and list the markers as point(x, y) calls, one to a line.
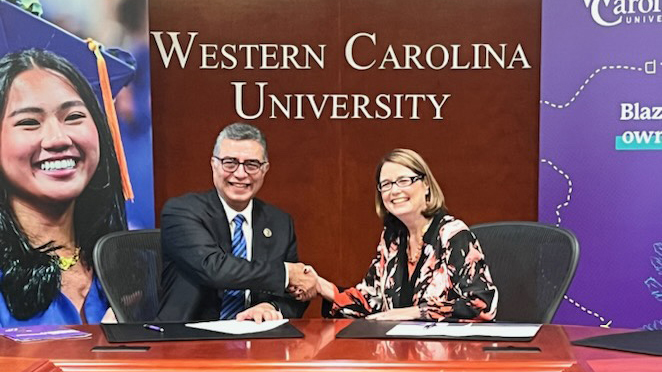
point(113, 124)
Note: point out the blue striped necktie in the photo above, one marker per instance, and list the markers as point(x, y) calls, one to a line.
point(234, 299)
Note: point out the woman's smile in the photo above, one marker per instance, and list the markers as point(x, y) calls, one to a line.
point(49, 144)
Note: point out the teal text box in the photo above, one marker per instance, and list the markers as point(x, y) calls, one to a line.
point(634, 146)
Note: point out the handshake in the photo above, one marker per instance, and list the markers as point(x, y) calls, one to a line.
point(304, 283)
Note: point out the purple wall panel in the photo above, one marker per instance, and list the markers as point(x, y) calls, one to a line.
point(610, 195)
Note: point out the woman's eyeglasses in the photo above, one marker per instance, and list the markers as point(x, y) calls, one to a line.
point(401, 182)
point(251, 166)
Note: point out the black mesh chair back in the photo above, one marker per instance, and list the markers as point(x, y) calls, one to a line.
point(532, 266)
point(128, 264)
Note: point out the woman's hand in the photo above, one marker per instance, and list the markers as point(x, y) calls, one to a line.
point(405, 313)
point(326, 289)
point(301, 294)
point(302, 281)
point(322, 287)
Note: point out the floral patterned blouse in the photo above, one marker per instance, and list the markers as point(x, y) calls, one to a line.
point(452, 280)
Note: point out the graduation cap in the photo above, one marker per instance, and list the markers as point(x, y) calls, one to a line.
point(20, 30)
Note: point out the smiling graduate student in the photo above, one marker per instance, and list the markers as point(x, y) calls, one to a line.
point(60, 190)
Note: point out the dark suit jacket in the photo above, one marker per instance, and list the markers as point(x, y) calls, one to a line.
point(198, 263)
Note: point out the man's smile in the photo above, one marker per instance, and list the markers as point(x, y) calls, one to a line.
point(240, 185)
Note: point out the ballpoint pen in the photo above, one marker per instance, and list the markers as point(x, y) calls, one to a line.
point(153, 327)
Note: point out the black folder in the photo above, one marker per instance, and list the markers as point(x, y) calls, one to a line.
point(377, 329)
point(644, 342)
point(135, 332)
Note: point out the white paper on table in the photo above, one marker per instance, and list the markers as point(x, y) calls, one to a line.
point(236, 327)
point(504, 330)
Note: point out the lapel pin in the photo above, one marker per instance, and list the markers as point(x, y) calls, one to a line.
point(267, 232)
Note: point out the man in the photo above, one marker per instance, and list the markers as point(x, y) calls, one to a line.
point(227, 254)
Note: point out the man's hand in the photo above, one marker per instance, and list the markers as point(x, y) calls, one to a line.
point(260, 312)
point(303, 281)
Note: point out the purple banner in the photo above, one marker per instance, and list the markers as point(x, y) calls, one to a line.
point(601, 154)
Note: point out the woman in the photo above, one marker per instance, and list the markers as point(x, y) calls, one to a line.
point(60, 191)
point(428, 264)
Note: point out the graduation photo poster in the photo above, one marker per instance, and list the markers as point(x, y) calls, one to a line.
point(75, 149)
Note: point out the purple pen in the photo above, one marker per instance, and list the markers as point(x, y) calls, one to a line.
point(153, 327)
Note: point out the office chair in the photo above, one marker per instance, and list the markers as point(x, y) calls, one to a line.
point(128, 265)
point(532, 265)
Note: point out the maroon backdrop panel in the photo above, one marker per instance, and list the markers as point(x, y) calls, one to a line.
point(484, 151)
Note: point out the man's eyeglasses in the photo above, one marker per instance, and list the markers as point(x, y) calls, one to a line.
point(401, 182)
point(251, 166)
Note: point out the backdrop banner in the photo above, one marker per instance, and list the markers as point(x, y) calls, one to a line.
point(601, 155)
point(335, 85)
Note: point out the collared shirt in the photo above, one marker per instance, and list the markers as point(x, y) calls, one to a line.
point(247, 228)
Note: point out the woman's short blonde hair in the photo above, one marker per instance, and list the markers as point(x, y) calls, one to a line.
point(410, 159)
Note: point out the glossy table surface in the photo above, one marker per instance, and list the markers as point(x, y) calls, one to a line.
point(320, 350)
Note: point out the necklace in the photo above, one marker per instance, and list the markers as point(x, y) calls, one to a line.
point(414, 258)
point(67, 263)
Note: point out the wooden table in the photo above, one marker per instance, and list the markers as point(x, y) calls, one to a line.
point(319, 350)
